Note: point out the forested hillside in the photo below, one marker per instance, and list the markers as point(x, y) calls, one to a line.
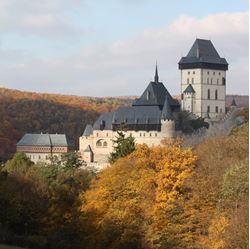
point(161, 197)
point(22, 112)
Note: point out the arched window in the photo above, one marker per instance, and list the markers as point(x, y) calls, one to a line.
point(99, 143)
point(216, 94)
point(208, 93)
point(216, 109)
point(105, 144)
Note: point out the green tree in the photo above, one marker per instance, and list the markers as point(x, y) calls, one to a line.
point(71, 160)
point(20, 162)
point(123, 145)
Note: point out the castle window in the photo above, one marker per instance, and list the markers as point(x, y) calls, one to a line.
point(156, 134)
point(107, 134)
point(208, 93)
point(219, 73)
point(211, 80)
point(208, 109)
point(140, 134)
point(217, 81)
point(187, 80)
point(213, 73)
point(148, 95)
point(99, 143)
point(150, 134)
point(216, 94)
point(105, 144)
point(207, 80)
point(207, 72)
point(143, 134)
point(97, 134)
point(188, 72)
point(223, 81)
point(193, 72)
point(216, 109)
point(192, 80)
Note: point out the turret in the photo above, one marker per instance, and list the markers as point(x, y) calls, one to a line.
point(167, 121)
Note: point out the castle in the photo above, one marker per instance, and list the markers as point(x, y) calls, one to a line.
point(151, 118)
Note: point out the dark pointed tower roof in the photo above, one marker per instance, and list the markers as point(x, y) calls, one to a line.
point(203, 55)
point(156, 74)
point(155, 94)
point(189, 89)
point(233, 102)
point(166, 111)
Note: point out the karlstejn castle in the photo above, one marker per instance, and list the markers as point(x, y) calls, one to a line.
point(152, 117)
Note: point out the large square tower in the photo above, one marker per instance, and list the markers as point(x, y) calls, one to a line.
point(203, 80)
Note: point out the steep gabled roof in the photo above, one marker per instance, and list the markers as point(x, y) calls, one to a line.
point(189, 89)
point(203, 55)
point(155, 94)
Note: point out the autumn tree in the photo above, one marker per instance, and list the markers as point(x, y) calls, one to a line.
point(131, 203)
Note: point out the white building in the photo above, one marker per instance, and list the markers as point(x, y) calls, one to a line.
point(149, 120)
point(40, 147)
point(203, 81)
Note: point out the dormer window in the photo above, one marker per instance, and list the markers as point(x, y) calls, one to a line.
point(148, 95)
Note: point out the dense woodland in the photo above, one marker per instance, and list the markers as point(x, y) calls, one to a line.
point(162, 197)
point(22, 112)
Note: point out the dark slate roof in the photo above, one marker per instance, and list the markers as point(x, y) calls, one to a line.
point(137, 115)
point(88, 149)
point(189, 89)
point(204, 55)
point(88, 130)
point(105, 119)
point(166, 111)
point(155, 94)
point(154, 104)
point(43, 140)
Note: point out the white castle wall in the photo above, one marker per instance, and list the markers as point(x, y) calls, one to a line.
point(101, 142)
point(203, 80)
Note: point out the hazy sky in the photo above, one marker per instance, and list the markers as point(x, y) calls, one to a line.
point(109, 47)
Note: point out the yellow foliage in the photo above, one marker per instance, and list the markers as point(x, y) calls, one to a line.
point(215, 239)
point(135, 192)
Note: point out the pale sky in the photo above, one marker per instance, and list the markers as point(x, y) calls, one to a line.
point(109, 47)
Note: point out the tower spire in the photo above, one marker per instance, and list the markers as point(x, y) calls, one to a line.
point(156, 74)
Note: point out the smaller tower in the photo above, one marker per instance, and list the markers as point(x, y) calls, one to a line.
point(188, 97)
point(167, 121)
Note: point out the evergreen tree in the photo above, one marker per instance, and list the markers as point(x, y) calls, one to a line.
point(123, 145)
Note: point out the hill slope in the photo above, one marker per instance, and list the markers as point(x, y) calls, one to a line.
point(22, 112)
